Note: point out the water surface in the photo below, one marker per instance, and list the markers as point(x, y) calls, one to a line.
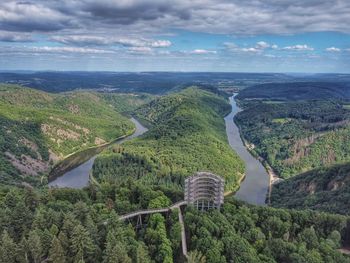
point(74, 171)
point(256, 183)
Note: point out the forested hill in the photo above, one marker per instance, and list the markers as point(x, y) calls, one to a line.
point(296, 137)
point(73, 226)
point(297, 91)
point(187, 134)
point(38, 129)
point(326, 189)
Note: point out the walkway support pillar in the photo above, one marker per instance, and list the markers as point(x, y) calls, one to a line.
point(183, 234)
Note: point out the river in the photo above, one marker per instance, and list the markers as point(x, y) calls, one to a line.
point(255, 186)
point(74, 171)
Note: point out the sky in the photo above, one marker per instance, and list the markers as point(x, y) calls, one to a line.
point(308, 36)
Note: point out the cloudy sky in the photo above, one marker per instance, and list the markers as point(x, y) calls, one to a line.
point(177, 35)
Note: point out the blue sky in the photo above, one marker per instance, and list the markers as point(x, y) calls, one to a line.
point(198, 35)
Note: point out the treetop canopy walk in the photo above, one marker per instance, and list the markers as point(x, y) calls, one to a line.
point(152, 211)
point(204, 190)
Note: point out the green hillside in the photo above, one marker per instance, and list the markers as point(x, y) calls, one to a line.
point(126, 102)
point(326, 189)
point(39, 129)
point(187, 135)
point(296, 137)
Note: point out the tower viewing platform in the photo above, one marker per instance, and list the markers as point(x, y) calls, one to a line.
point(204, 190)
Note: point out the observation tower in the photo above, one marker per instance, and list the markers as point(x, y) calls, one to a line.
point(204, 190)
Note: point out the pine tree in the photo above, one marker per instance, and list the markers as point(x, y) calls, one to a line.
point(35, 246)
point(23, 251)
point(82, 244)
point(110, 244)
point(46, 239)
point(21, 219)
point(142, 254)
point(31, 198)
point(39, 220)
point(117, 255)
point(196, 257)
point(54, 230)
point(56, 252)
point(8, 249)
point(11, 199)
point(65, 242)
point(69, 224)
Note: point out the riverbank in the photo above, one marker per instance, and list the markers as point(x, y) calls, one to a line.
point(232, 192)
point(61, 166)
point(273, 177)
point(74, 171)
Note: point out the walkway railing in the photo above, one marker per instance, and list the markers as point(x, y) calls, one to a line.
point(151, 211)
point(163, 210)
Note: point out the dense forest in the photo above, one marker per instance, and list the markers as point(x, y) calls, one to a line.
point(66, 225)
point(241, 233)
point(187, 132)
point(298, 91)
point(326, 189)
point(297, 136)
point(38, 129)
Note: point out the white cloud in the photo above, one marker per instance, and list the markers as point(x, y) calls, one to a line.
point(46, 49)
point(230, 45)
point(270, 56)
point(258, 48)
point(250, 49)
point(161, 43)
point(262, 45)
point(83, 40)
point(299, 48)
point(142, 50)
point(274, 46)
point(14, 37)
point(202, 51)
point(214, 16)
point(333, 49)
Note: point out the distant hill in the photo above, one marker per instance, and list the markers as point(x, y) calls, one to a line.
point(326, 189)
point(145, 82)
point(38, 129)
point(297, 91)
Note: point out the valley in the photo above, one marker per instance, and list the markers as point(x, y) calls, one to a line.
point(303, 135)
point(152, 131)
point(195, 128)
